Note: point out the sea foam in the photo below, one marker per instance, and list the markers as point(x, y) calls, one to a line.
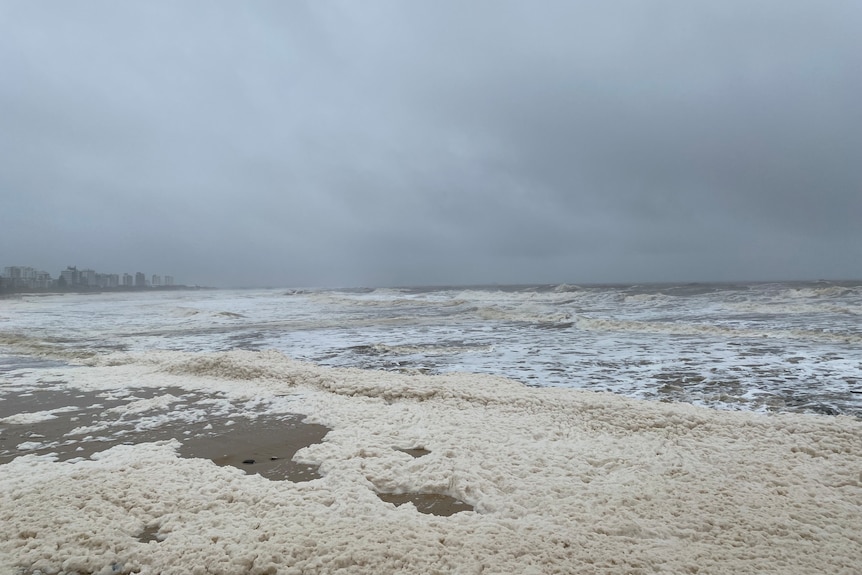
point(561, 481)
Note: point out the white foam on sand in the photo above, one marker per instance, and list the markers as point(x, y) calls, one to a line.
point(35, 416)
point(139, 406)
point(563, 481)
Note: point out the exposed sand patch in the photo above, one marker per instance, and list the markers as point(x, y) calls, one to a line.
point(72, 425)
point(432, 503)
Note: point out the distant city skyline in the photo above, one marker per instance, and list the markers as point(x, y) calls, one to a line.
point(31, 278)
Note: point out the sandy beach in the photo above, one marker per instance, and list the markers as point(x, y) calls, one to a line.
point(558, 481)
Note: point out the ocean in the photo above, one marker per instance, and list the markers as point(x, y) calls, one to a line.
point(777, 347)
point(679, 428)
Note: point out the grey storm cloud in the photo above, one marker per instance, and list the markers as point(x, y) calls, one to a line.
point(392, 143)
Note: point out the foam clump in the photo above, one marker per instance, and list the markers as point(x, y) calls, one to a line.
point(559, 480)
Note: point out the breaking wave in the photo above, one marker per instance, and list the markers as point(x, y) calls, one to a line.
point(524, 315)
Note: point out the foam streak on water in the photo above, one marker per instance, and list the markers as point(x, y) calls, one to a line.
point(764, 347)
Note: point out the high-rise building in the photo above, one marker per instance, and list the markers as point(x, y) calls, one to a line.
point(140, 280)
point(128, 281)
point(89, 278)
point(169, 280)
point(26, 278)
point(14, 272)
point(43, 280)
point(156, 281)
point(70, 277)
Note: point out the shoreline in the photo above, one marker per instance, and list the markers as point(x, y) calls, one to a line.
point(97, 290)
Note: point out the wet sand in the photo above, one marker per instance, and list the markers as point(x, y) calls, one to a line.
point(430, 503)
point(262, 444)
point(257, 443)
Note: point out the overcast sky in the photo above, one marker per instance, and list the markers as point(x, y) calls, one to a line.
point(348, 143)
